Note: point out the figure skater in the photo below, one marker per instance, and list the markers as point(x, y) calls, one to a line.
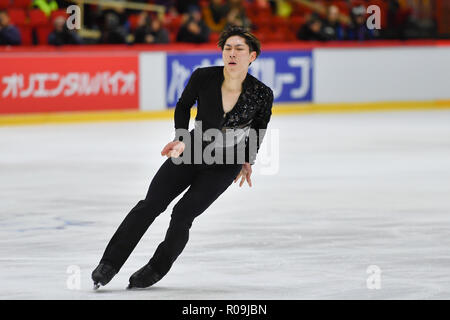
point(227, 97)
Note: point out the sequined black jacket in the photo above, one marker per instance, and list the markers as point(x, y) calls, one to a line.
point(253, 107)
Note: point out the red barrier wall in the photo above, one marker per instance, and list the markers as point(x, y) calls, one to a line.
point(52, 81)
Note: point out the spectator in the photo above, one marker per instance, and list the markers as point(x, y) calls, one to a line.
point(312, 30)
point(120, 13)
point(358, 28)
point(237, 16)
point(94, 15)
point(61, 34)
point(112, 31)
point(9, 34)
point(47, 6)
point(150, 30)
point(332, 28)
point(215, 15)
point(193, 29)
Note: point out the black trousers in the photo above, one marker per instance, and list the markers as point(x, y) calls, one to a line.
point(206, 183)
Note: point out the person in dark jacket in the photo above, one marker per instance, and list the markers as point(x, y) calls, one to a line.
point(333, 28)
point(194, 30)
point(230, 104)
point(61, 35)
point(312, 30)
point(150, 30)
point(9, 34)
point(112, 31)
point(358, 30)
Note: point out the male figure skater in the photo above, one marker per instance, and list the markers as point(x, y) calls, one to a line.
point(228, 97)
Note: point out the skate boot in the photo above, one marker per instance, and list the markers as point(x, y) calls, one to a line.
point(144, 277)
point(103, 274)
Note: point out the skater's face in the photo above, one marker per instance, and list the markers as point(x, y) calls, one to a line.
point(236, 54)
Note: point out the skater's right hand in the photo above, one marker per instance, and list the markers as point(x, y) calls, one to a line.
point(173, 149)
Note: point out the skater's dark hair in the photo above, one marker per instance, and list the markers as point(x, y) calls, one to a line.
point(253, 43)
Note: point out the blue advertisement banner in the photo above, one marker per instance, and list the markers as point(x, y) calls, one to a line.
point(288, 73)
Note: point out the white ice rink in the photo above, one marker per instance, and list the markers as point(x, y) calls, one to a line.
point(352, 191)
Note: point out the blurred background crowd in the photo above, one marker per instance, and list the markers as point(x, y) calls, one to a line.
point(43, 22)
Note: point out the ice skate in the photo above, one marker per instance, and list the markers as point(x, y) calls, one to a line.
point(102, 275)
point(144, 277)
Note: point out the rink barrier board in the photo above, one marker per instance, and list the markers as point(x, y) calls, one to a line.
point(381, 74)
point(68, 82)
point(148, 64)
point(278, 109)
point(289, 73)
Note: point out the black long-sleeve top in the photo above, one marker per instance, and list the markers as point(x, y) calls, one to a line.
point(253, 108)
point(10, 35)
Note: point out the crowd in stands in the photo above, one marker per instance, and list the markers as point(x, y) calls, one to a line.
point(43, 22)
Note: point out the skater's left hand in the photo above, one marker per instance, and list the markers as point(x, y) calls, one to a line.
point(245, 174)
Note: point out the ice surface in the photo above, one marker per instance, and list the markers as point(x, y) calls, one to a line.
point(352, 191)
